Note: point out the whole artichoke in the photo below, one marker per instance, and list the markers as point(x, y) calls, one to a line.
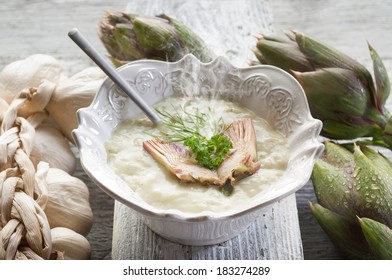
point(128, 37)
point(340, 91)
point(353, 186)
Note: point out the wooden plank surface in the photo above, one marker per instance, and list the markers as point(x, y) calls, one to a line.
point(228, 27)
point(262, 240)
point(38, 26)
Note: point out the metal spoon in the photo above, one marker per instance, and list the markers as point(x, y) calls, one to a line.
point(86, 46)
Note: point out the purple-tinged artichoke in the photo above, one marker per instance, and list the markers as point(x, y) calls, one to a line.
point(340, 91)
point(128, 37)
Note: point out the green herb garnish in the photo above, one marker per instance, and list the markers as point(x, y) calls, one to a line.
point(186, 128)
point(209, 152)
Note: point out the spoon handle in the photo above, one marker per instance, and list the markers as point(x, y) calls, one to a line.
point(85, 46)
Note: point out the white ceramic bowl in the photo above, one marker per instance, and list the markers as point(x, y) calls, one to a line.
point(270, 92)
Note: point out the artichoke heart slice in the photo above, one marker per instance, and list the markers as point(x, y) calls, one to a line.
point(241, 161)
point(178, 161)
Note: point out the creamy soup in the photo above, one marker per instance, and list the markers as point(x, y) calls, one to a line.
point(161, 189)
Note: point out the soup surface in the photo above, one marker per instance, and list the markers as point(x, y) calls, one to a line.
point(159, 188)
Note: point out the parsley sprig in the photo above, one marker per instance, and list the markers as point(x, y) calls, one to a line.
point(187, 128)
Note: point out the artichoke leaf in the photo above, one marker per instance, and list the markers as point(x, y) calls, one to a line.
point(344, 233)
point(379, 238)
point(374, 187)
point(383, 85)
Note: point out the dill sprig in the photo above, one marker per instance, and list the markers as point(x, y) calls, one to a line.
point(188, 128)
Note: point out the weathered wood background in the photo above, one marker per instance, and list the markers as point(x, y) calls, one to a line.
point(31, 26)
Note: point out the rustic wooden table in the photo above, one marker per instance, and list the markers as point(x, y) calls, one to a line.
point(29, 27)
